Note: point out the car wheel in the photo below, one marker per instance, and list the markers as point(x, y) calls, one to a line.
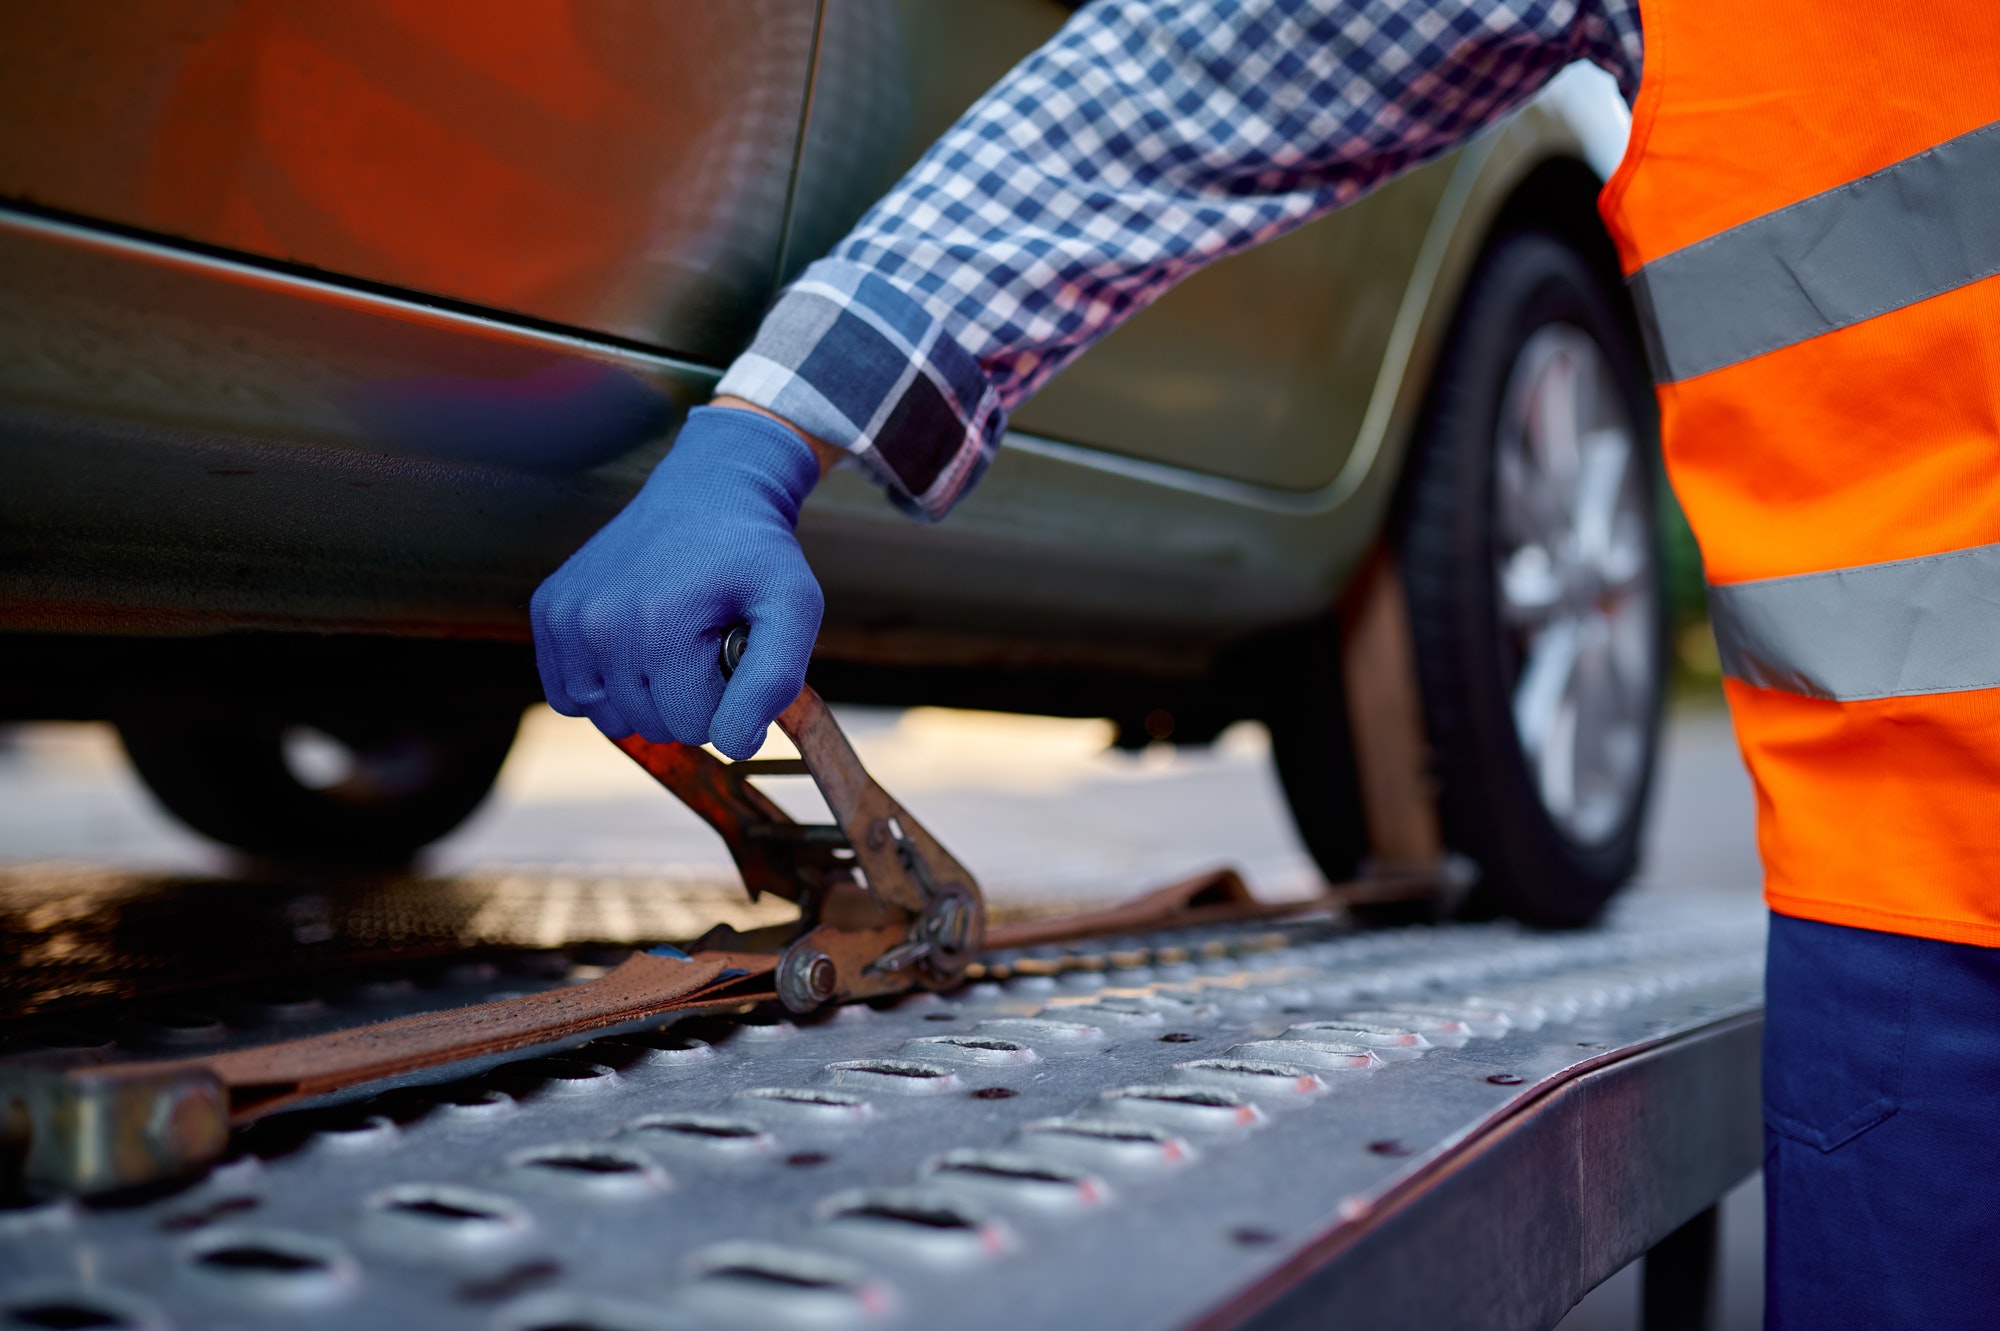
point(1527, 535)
point(1529, 541)
point(308, 785)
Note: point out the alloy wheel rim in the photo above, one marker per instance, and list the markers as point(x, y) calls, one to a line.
point(1577, 588)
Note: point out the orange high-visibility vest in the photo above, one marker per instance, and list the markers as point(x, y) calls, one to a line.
point(1809, 214)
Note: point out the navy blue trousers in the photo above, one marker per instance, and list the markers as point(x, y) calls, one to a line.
point(1881, 1131)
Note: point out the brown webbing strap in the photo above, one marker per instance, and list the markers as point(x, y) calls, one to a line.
point(1386, 715)
point(644, 985)
point(1218, 896)
point(269, 1077)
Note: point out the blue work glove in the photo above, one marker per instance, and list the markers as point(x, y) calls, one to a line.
point(628, 630)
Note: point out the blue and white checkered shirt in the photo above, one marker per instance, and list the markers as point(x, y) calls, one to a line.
point(1146, 139)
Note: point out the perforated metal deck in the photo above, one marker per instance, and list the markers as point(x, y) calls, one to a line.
point(1286, 1125)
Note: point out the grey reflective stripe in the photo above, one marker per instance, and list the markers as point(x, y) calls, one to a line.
point(1909, 231)
point(1929, 625)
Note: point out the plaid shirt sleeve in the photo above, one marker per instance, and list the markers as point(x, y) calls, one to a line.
point(1146, 139)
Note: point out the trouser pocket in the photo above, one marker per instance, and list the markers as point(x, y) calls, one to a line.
point(1837, 1012)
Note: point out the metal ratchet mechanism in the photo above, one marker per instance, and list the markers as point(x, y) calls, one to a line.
point(882, 906)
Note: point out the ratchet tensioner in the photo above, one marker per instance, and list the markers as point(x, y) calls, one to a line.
point(882, 906)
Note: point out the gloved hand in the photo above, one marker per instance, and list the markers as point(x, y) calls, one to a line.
point(628, 629)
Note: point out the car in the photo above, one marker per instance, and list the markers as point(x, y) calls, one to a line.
point(327, 333)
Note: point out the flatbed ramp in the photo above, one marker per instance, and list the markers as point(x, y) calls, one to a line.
point(1274, 1125)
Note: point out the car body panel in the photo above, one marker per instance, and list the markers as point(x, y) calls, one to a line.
point(890, 76)
point(1208, 380)
point(617, 165)
point(198, 445)
point(195, 444)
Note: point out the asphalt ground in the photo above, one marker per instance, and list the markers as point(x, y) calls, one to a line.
point(1037, 808)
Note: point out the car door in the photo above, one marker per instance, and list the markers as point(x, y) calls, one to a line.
point(618, 166)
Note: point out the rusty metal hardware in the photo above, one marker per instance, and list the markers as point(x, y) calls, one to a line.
point(883, 907)
point(95, 1134)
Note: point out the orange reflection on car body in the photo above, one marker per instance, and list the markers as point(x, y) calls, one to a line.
point(579, 162)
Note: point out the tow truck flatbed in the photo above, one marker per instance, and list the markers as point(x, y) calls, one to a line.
point(1164, 1130)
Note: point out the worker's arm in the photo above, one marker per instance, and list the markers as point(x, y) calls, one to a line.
point(1147, 139)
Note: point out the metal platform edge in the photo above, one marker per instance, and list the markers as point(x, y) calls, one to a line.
point(1526, 1216)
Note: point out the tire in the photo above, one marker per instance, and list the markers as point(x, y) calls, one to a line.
point(1544, 772)
point(1539, 634)
point(347, 786)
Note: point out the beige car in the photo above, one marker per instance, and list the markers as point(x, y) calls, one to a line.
point(326, 332)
